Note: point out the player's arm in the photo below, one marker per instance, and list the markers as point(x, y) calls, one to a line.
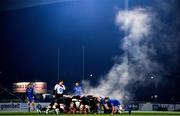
point(33, 92)
point(55, 90)
point(64, 87)
point(113, 109)
point(64, 90)
point(112, 105)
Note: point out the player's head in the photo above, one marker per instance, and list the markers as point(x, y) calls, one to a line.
point(98, 98)
point(106, 99)
point(61, 82)
point(30, 85)
point(77, 84)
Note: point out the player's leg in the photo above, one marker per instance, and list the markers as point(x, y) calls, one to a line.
point(29, 108)
point(120, 109)
point(56, 107)
point(50, 107)
point(32, 104)
point(39, 108)
point(106, 109)
point(61, 103)
point(29, 102)
point(101, 109)
point(81, 108)
point(112, 110)
point(77, 106)
point(72, 108)
point(61, 106)
point(116, 108)
point(86, 109)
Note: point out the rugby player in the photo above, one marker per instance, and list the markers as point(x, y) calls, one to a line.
point(84, 105)
point(58, 101)
point(77, 90)
point(116, 106)
point(53, 106)
point(75, 104)
point(108, 106)
point(30, 97)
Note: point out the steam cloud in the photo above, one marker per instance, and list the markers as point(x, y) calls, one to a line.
point(136, 61)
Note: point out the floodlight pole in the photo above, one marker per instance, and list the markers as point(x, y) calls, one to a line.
point(58, 64)
point(82, 62)
point(126, 5)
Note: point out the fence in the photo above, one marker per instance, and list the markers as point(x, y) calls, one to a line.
point(23, 107)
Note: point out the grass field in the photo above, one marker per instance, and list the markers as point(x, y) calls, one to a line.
point(123, 114)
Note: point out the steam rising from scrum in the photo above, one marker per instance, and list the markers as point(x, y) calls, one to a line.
point(135, 62)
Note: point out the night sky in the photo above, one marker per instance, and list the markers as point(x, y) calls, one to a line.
point(30, 37)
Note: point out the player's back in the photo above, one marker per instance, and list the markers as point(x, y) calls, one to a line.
point(115, 102)
point(30, 91)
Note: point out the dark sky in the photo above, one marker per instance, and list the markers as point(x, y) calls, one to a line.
point(30, 38)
